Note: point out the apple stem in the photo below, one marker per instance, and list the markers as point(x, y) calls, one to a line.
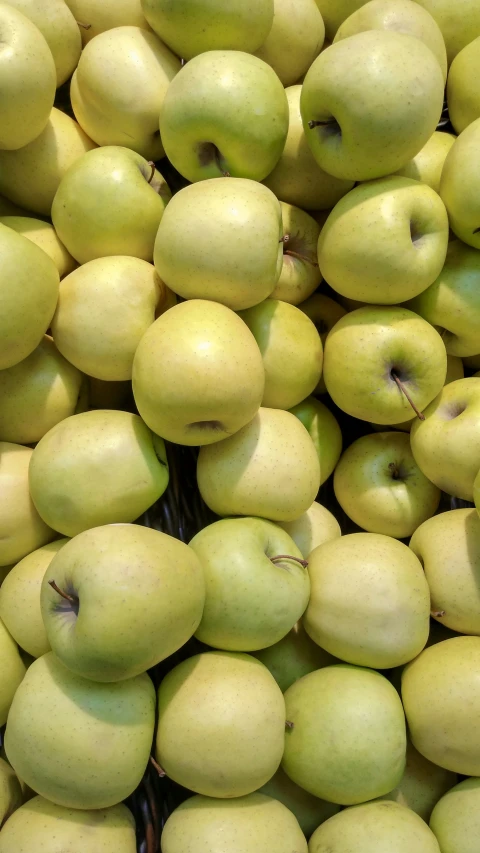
point(393, 468)
point(313, 123)
point(83, 26)
point(158, 768)
point(152, 165)
point(289, 724)
point(65, 595)
point(437, 614)
point(400, 384)
point(276, 559)
point(301, 257)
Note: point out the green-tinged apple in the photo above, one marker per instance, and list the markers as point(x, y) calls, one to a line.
point(43, 234)
point(297, 178)
point(446, 444)
point(107, 581)
point(256, 583)
point(27, 79)
point(427, 165)
point(334, 12)
point(190, 27)
point(454, 820)
point(369, 602)
point(110, 202)
point(448, 546)
point(11, 796)
point(113, 726)
point(421, 785)
point(30, 176)
point(462, 91)
point(309, 810)
point(293, 657)
point(324, 312)
point(27, 308)
point(378, 357)
point(60, 30)
point(225, 113)
point(104, 308)
point(269, 468)
point(47, 828)
point(12, 671)
point(94, 18)
point(385, 241)
point(252, 824)
point(347, 740)
point(300, 274)
point(21, 528)
point(364, 111)
point(380, 486)
point(399, 16)
point(291, 349)
point(440, 695)
point(459, 22)
point(118, 89)
point(323, 429)
point(460, 185)
point(295, 39)
point(476, 490)
point(198, 374)
point(221, 724)
point(97, 467)
point(221, 240)
point(316, 526)
point(20, 599)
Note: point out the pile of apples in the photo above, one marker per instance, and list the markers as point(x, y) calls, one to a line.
point(234, 226)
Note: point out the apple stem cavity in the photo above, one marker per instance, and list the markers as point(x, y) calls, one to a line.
point(83, 26)
point(394, 470)
point(289, 725)
point(303, 563)
point(158, 768)
point(65, 595)
point(404, 391)
point(330, 126)
point(152, 166)
point(208, 153)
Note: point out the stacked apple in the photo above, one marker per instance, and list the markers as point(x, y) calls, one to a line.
point(220, 230)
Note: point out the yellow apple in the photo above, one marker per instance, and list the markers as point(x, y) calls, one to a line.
point(462, 90)
point(300, 274)
point(427, 165)
point(459, 22)
point(460, 185)
point(295, 39)
point(94, 17)
point(60, 30)
point(43, 234)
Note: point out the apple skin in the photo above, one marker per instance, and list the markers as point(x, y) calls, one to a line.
point(221, 240)
point(323, 429)
point(459, 23)
point(460, 185)
point(372, 129)
point(295, 39)
point(476, 491)
point(316, 526)
point(366, 346)
point(462, 92)
point(250, 601)
point(427, 165)
point(106, 15)
point(454, 819)
point(324, 312)
point(44, 236)
point(225, 113)
point(381, 488)
point(310, 811)
point(60, 30)
point(11, 794)
point(13, 671)
point(293, 657)
point(334, 12)
point(300, 274)
point(118, 89)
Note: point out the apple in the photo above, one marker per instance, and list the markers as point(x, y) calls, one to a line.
point(291, 349)
point(460, 185)
point(421, 785)
point(385, 241)
point(310, 811)
point(193, 27)
point(295, 39)
point(454, 820)
point(459, 23)
point(113, 726)
point(60, 30)
point(30, 177)
point(11, 795)
point(364, 113)
point(257, 585)
point(334, 12)
point(381, 488)
point(12, 671)
point(323, 429)
point(119, 86)
point(225, 113)
point(462, 93)
point(300, 275)
point(269, 468)
point(94, 18)
point(374, 354)
point(324, 312)
point(221, 240)
point(427, 165)
point(316, 526)
point(347, 742)
point(297, 178)
point(207, 389)
point(221, 723)
point(476, 492)
point(293, 657)
point(446, 445)
point(43, 234)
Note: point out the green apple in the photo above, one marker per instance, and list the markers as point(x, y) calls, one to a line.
point(43, 234)
point(26, 310)
point(291, 349)
point(94, 18)
point(257, 585)
point(225, 113)
point(117, 577)
point(373, 355)
point(348, 739)
point(454, 820)
point(96, 468)
point(399, 16)
point(110, 202)
point(310, 811)
point(60, 30)
point(295, 39)
point(11, 796)
point(105, 759)
point(198, 375)
point(385, 241)
point(459, 22)
point(316, 526)
point(460, 185)
point(46, 827)
point(221, 723)
point(369, 602)
point(27, 79)
point(119, 86)
point(104, 308)
point(293, 657)
point(462, 91)
point(323, 429)
point(297, 178)
point(20, 599)
point(380, 486)
point(12, 671)
point(21, 528)
point(334, 12)
point(252, 824)
point(30, 176)
point(427, 165)
point(440, 694)
point(192, 27)
point(324, 312)
point(300, 274)
point(363, 111)
point(446, 445)
point(221, 240)
point(269, 468)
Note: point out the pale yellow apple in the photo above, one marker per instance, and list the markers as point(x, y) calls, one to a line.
point(316, 526)
point(21, 528)
point(476, 488)
point(459, 22)
point(460, 185)
point(11, 796)
point(334, 12)
point(293, 657)
point(60, 30)
point(427, 165)
point(43, 234)
point(300, 274)
point(324, 312)
point(295, 39)
point(462, 90)
point(12, 671)
point(324, 431)
point(118, 89)
point(310, 811)
point(455, 819)
point(30, 176)
point(94, 17)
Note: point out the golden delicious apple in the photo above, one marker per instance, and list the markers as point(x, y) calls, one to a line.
point(300, 274)
point(94, 17)
point(324, 431)
point(21, 528)
point(43, 234)
point(427, 165)
point(476, 489)
point(459, 22)
point(316, 526)
point(293, 657)
point(454, 820)
point(12, 671)
point(295, 39)
point(462, 90)
point(310, 811)
point(324, 312)
point(11, 796)
point(421, 785)
point(334, 12)
point(60, 30)
point(460, 185)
